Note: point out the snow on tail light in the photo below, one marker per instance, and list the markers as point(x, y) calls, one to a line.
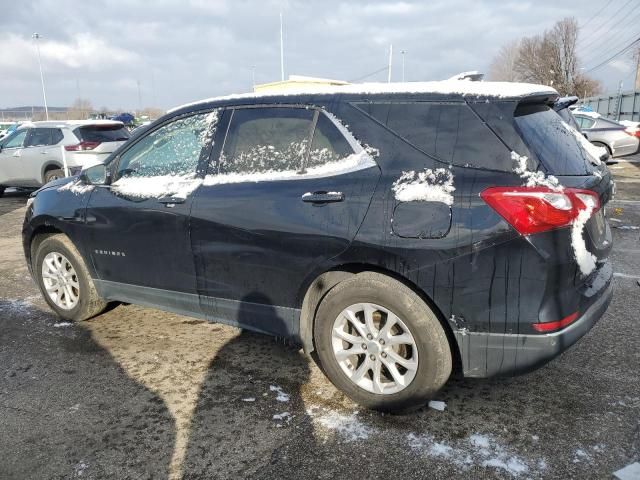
point(82, 146)
point(539, 209)
point(548, 327)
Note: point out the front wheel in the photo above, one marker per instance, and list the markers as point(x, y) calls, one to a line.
point(52, 175)
point(381, 344)
point(64, 280)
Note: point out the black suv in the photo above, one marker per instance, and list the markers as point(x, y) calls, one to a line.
point(399, 235)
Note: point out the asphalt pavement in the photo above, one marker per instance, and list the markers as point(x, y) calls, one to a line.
point(139, 393)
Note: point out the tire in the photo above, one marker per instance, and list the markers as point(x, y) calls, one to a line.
point(88, 304)
point(53, 175)
point(432, 350)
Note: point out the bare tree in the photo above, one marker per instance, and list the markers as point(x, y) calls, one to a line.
point(550, 59)
point(80, 109)
point(503, 65)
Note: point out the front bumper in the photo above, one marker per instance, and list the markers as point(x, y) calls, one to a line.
point(490, 354)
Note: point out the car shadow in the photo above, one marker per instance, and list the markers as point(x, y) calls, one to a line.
point(68, 409)
point(250, 408)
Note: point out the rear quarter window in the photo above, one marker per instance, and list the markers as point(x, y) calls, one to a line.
point(102, 133)
point(449, 132)
point(551, 140)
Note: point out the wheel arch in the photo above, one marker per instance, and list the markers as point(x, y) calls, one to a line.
point(322, 283)
point(48, 166)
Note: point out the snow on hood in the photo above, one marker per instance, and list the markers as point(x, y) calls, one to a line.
point(426, 186)
point(450, 87)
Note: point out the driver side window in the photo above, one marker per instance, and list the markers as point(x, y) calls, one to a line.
point(173, 149)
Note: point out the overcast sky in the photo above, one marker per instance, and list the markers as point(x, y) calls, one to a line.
point(181, 51)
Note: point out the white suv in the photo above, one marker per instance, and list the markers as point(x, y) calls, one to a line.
point(36, 152)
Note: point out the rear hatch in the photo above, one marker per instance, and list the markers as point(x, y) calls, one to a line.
point(101, 138)
point(564, 153)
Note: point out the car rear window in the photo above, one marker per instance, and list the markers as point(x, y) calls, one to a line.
point(102, 133)
point(450, 132)
point(549, 137)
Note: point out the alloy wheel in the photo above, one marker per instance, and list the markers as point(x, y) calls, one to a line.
point(60, 280)
point(374, 348)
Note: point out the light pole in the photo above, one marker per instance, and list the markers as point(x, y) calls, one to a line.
point(402, 52)
point(36, 37)
point(253, 76)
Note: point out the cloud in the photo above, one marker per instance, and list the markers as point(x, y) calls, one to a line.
point(179, 51)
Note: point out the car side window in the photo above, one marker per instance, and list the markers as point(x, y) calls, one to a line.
point(587, 122)
point(173, 149)
point(266, 139)
point(17, 141)
point(39, 137)
point(328, 145)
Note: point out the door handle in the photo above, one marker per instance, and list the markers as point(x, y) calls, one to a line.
point(322, 197)
point(171, 201)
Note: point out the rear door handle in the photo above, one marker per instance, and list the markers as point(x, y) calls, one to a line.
point(323, 197)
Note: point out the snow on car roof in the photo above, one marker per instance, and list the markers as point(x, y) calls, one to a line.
point(65, 123)
point(455, 87)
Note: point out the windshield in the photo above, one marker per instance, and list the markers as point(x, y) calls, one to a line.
point(554, 142)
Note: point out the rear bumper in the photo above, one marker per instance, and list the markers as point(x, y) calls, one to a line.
point(491, 354)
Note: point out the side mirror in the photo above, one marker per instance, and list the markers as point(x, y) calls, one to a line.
point(96, 175)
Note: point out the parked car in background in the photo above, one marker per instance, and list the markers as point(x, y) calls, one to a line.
point(33, 154)
point(563, 107)
point(616, 138)
point(399, 231)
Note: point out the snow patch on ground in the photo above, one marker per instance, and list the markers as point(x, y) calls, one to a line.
point(348, 426)
point(426, 186)
point(63, 324)
point(476, 450)
point(630, 472)
point(437, 405)
point(533, 179)
point(282, 416)
point(76, 186)
point(280, 395)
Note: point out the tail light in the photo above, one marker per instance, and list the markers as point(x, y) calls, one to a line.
point(538, 209)
point(548, 327)
point(82, 146)
point(633, 131)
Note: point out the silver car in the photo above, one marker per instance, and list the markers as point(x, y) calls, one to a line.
point(37, 152)
point(603, 132)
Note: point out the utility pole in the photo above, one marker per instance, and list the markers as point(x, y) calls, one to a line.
point(281, 50)
point(253, 76)
point(402, 52)
point(619, 106)
point(390, 62)
point(637, 85)
point(36, 37)
point(139, 97)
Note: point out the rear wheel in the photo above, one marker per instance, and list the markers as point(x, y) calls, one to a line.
point(381, 344)
point(52, 175)
point(64, 280)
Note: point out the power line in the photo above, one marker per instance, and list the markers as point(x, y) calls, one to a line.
point(625, 49)
point(385, 68)
point(594, 38)
point(606, 47)
point(596, 14)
